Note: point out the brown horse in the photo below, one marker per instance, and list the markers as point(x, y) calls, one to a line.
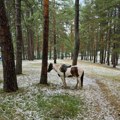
point(68, 71)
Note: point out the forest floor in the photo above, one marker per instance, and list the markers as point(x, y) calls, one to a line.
point(98, 100)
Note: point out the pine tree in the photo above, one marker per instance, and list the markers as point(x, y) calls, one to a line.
point(77, 39)
point(9, 75)
point(43, 79)
point(18, 38)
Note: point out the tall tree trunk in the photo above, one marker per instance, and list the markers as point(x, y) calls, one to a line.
point(43, 79)
point(108, 49)
point(38, 47)
point(118, 38)
point(18, 38)
point(10, 80)
point(101, 48)
point(58, 54)
point(23, 49)
point(114, 54)
point(54, 34)
point(109, 41)
point(50, 51)
point(72, 38)
point(77, 40)
point(95, 48)
point(30, 35)
point(32, 38)
point(30, 44)
point(81, 55)
point(62, 52)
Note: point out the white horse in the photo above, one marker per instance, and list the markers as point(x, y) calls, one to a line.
point(68, 71)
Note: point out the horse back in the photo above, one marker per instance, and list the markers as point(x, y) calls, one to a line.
point(64, 67)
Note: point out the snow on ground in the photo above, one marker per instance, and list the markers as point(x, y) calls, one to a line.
point(99, 107)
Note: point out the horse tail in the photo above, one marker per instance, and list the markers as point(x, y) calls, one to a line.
point(82, 79)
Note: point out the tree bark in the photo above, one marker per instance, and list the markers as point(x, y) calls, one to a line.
point(23, 48)
point(77, 40)
point(95, 48)
point(18, 38)
point(30, 37)
point(50, 51)
point(114, 52)
point(108, 44)
point(101, 47)
point(43, 79)
point(9, 75)
point(54, 34)
point(38, 47)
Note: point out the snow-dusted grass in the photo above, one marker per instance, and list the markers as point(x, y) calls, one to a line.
point(25, 103)
point(18, 106)
point(38, 102)
point(60, 106)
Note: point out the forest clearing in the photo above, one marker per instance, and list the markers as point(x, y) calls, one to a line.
point(99, 98)
point(59, 59)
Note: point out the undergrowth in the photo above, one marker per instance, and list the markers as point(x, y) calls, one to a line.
point(29, 104)
point(60, 106)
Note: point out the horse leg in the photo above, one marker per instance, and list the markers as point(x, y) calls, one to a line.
point(64, 82)
point(82, 79)
point(77, 83)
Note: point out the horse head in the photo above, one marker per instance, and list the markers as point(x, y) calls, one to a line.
point(50, 67)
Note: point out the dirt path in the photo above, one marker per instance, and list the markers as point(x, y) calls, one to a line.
point(111, 98)
point(100, 106)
